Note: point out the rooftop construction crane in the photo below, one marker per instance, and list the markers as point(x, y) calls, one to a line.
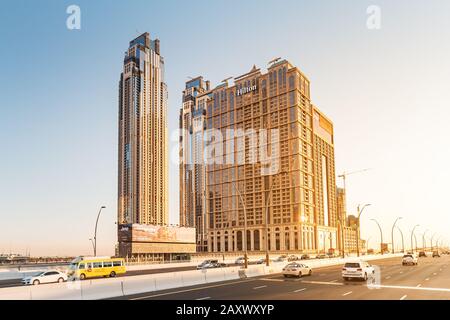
point(345, 174)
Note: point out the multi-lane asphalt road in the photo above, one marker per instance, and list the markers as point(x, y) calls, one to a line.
point(428, 280)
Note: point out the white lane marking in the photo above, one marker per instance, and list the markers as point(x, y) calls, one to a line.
point(334, 280)
point(401, 271)
point(322, 282)
point(270, 279)
point(347, 293)
point(404, 297)
point(379, 286)
point(419, 285)
point(193, 289)
point(204, 298)
point(427, 279)
point(434, 274)
point(260, 287)
point(300, 290)
point(388, 277)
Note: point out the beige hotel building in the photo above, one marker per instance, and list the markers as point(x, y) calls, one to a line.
point(300, 197)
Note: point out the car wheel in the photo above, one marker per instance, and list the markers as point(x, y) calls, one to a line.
point(82, 276)
point(285, 275)
point(300, 274)
point(365, 276)
point(112, 274)
point(310, 273)
point(60, 280)
point(36, 282)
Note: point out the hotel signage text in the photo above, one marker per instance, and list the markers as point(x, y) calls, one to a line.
point(245, 90)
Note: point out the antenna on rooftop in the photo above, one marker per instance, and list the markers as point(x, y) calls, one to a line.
point(226, 80)
point(274, 61)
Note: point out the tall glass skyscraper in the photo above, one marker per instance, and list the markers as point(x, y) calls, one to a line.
point(143, 150)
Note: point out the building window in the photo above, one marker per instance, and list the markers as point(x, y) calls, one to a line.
point(256, 241)
point(239, 240)
point(291, 82)
point(277, 239)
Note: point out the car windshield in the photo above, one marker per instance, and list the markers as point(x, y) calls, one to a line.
point(292, 265)
point(352, 265)
point(39, 274)
point(407, 256)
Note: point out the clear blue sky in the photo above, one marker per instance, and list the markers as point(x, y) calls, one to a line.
point(386, 91)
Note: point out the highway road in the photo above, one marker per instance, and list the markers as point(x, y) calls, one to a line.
point(428, 280)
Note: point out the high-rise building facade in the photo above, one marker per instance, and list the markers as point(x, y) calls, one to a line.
point(143, 150)
point(192, 165)
point(291, 206)
point(326, 219)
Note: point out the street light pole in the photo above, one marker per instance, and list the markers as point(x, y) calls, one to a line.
point(431, 242)
point(403, 240)
point(412, 234)
point(95, 234)
point(424, 240)
point(92, 242)
point(415, 241)
point(392, 233)
point(342, 242)
point(357, 226)
point(245, 226)
point(381, 232)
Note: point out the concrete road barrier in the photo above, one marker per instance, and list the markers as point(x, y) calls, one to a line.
point(139, 284)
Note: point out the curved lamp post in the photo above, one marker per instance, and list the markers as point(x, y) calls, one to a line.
point(392, 233)
point(431, 242)
point(403, 240)
point(412, 235)
point(381, 232)
point(92, 242)
point(360, 211)
point(95, 234)
point(424, 242)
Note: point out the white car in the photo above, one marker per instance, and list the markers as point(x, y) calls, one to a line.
point(296, 269)
point(357, 270)
point(410, 259)
point(240, 260)
point(51, 276)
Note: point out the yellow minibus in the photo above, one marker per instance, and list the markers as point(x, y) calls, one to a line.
point(93, 267)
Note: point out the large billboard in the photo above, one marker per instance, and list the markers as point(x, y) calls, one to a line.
point(153, 233)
